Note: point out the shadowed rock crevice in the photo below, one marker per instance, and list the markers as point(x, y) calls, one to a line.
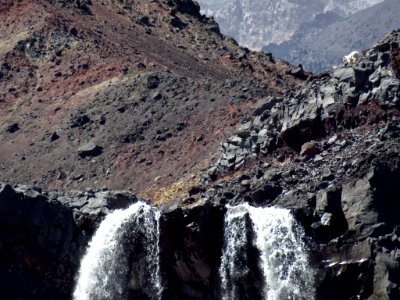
point(191, 242)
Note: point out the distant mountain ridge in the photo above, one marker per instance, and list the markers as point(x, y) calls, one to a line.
point(260, 22)
point(316, 34)
point(322, 43)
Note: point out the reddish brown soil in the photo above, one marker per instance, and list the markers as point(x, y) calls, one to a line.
point(57, 62)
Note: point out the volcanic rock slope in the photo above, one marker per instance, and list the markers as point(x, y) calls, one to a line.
point(131, 94)
point(327, 148)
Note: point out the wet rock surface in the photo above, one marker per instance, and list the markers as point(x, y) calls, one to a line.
point(191, 243)
point(44, 236)
point(348, 207)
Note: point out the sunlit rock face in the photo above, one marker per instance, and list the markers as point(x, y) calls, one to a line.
point(258, 23)
point(316, 34)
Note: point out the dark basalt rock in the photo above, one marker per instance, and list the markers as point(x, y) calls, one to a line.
point(351, 220)
point(363, 93)
point(342, 183)
point(186, 6)
point(44, 235)
point(90, 150)
point(83, 5)
point(79, 120)
point(191, 242)
point(14, 127)
point(266, 194)
point(351, 226)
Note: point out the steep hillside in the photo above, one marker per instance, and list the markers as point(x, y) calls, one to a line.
point(328, 153)
point(132, 95)
point(258, 178)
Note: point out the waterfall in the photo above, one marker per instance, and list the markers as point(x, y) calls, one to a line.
point(285, 263)
point(122, 259)
point(234, 252)
point(283, 258)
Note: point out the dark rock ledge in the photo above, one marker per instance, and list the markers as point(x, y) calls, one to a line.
point(351, 223)
point(43, 236)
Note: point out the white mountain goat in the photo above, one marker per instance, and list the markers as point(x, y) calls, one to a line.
point(352, 57)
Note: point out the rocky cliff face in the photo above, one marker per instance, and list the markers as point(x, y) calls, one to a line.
point(331, 152)
point(315, 34)
point(324, 146)
point(258, 23)
point(339, 35)
point(44, 235)
point(351, 224)
point(365, 93)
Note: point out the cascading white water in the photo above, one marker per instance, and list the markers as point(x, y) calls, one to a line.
point(283, 257)
point(106, 270)
point(235, 241)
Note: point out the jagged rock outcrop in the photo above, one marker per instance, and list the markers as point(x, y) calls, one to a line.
point(44, 236)
point(349, 217)
point(367, 252)
point(364, 93)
